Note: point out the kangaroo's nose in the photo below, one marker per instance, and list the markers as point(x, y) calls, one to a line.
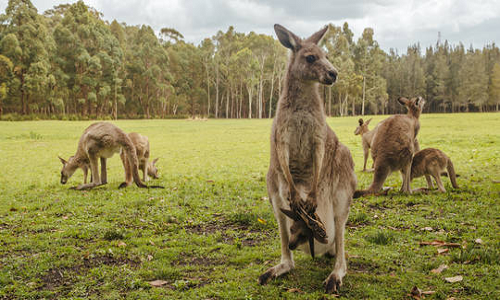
point(333, 75)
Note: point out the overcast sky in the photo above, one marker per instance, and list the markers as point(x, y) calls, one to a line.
point(396, 23)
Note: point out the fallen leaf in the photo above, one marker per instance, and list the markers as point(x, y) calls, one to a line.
point(261, 221)
point(150, 257)
point(442, 250)
point(427, 229)
point(478, 241)
point(65, 217)
point(439, 244)
point(151, 242)
point(439, 269)
point(454, 279)
point(210, 181)
point(415, 291)
point(428, 292)
point(121, 244)
point(13, 209)
point(295, 290)
point(158, 283)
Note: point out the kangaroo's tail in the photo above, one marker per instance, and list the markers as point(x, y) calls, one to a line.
point(453, 175)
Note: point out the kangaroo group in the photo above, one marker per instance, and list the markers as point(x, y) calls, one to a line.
point(311, 180)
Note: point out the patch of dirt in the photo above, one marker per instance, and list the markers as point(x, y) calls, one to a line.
point(60, 277)
point(197, 261)
point(245, 234)
point(362, 266)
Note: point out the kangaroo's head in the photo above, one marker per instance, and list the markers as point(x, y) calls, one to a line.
point(299, 232)
point(308, 62)
point(69, 167)
point(414, 105)
point(152, 169)
point(363, 127)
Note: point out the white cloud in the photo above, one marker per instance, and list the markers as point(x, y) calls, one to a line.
point(396, 23)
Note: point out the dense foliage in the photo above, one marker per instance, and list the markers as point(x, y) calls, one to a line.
point(70, 62)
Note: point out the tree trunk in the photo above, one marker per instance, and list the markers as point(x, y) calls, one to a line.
point(363, 105)
point(208, 92)
point(249, 89)
point(217, 81)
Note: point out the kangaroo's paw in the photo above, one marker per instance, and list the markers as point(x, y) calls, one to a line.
point(123, 185)
point(333, 283)
point(275, 272)
point(310, 204)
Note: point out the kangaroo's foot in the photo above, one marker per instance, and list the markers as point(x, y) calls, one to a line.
point(275, 272)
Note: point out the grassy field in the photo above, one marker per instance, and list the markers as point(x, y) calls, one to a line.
point(210, 233)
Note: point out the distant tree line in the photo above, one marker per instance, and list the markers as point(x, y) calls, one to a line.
point(68, 61)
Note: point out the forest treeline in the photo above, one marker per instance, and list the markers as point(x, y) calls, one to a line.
point(70, 63)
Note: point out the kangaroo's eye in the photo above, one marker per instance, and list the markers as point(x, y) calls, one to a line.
point(311, 58)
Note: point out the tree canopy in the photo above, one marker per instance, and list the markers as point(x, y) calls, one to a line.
point(70, 61)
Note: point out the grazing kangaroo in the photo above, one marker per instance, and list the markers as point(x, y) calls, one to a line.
point(393, 146)
point(101, 141)
point(141, 144)
point(84, 166)
point(366, 138)
point(307, 161)
point(433, 162)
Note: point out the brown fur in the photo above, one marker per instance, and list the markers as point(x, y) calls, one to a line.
point(393, 146)
point(307, 160)
point(366, 138)
point(141, 144)
point(100, 141)
point(433, 162)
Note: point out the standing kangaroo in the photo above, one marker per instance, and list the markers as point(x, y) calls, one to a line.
point(366, 138)
point(433, 162)
point(101, 140)
point(141, 144)
point(393, 146)
point(307, 161)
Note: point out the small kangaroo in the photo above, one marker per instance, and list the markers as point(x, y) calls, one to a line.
point(101, 140)
point(366, 138)
point(141, 144)
point(307, 161)
point(393, 146)
point(433, 162)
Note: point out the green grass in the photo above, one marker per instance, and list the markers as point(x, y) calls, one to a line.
point(202, 233)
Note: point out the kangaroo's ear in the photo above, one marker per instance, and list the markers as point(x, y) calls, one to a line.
point(368, 122)
point(62, 160)
point(403, 100)
point(291, 214)
point(287, 38)
point(360, 121)
point(155, 160)
point(316, 37)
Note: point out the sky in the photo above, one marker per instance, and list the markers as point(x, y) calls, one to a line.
point(396, 23)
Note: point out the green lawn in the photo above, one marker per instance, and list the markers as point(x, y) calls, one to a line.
point(202, 234)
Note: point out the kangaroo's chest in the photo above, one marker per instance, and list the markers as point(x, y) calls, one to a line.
point(109, 152)
point(300, 132)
